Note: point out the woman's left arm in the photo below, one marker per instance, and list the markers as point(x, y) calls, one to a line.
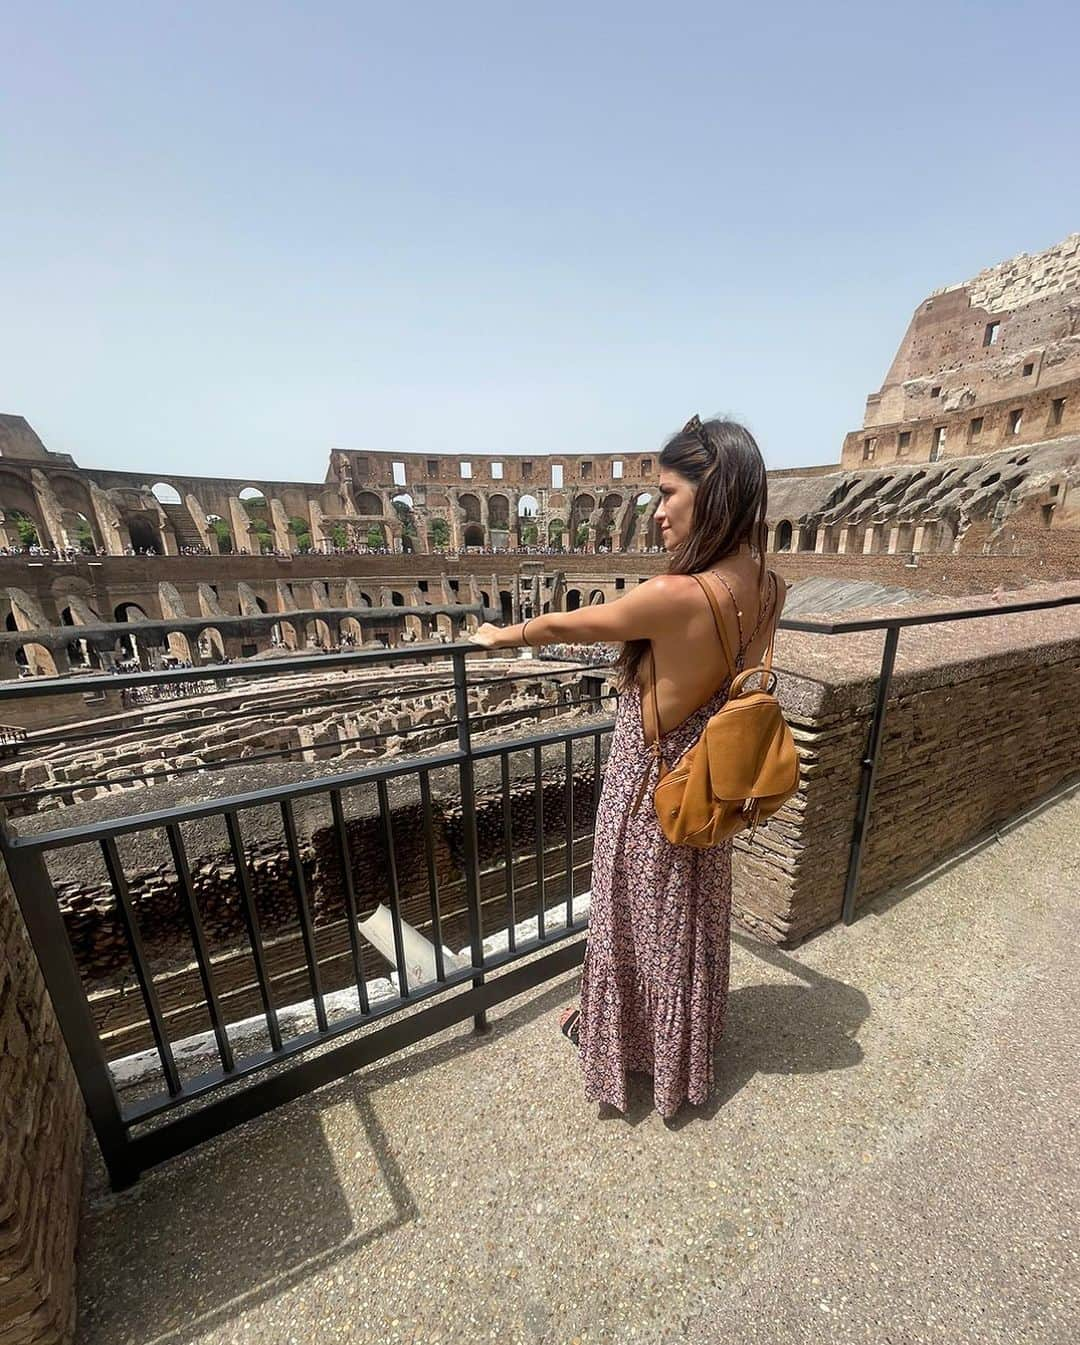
point(640, 614)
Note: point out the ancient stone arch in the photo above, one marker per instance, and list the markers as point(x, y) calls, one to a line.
point(210, 644)
point(144, 532)
point(581, 510)
point(19, 505)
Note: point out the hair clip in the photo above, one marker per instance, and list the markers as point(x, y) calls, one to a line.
point(694, 426)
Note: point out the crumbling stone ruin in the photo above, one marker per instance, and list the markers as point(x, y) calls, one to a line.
point(340, 717)
point(989, 364)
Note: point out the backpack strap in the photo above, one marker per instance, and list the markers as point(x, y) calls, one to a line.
point(718, 620)
point(724, 642)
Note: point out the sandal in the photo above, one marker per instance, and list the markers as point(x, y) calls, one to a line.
point(570, 1023)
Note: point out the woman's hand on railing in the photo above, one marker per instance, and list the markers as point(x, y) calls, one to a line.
point(486, 635)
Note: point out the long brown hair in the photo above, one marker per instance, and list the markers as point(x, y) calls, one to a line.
point(723, 460)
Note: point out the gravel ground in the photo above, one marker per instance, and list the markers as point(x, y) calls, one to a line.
point(889, 1157)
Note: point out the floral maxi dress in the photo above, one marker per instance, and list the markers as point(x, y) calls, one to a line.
point(655, 980)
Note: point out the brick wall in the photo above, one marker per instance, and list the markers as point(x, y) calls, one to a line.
point(982, 720)
point(971, 427)
point(41, 1128)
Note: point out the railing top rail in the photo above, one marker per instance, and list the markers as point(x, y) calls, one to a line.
point(434, 652)
point(844, 626)
point(431, 651)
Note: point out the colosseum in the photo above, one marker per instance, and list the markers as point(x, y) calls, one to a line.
point(968, 449)
point(232, 705)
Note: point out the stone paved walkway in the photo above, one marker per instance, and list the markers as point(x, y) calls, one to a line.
point(890, 1159)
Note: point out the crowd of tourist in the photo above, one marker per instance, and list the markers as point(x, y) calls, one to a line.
point(55, 553)
point(580, 653)
point(69, 554)
point(164, 691)
point(587, 549)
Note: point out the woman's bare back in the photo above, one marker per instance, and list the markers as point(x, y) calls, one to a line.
point(690, 664)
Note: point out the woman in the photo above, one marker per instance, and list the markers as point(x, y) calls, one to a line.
point(655, 980)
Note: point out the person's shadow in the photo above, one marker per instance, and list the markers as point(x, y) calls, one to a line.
point(256, 1212)
point(807, 1028)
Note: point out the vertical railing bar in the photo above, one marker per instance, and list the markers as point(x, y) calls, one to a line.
point(303, 910)
point(395, 888)
point(198, 939)
point(345, 859)
point(254, 930)
point(868, 772)
point(538, 799)
point(596, 777)
point(569, 809)
point(142, 971)
point(467, 785)
point(508, 855)
point(48, 935)
point(432, 873)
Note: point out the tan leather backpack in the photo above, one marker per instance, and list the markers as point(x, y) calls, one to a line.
point(741, 769)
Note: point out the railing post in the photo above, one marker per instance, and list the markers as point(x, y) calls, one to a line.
point(468, 823)
point(48, 936)
point(868, 772)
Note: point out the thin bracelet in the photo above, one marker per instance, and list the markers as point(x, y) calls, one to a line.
point(523, 630)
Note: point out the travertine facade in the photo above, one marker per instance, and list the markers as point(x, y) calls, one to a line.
point(991, 363)
point(407, 502)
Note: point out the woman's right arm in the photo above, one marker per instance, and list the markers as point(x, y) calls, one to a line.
point(650, 610)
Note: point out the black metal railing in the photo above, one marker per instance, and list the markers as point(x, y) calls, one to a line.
point(181, 1111)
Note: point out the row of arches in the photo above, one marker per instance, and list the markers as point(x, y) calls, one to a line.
point(871, 537)
point(608, 522)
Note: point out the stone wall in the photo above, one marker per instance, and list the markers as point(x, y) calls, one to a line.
point(41, 1128)
point(959, 426)
point(1049, 554)
point(1007, 340)
point(982, 720)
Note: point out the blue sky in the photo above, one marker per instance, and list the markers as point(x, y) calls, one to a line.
point(237, 235)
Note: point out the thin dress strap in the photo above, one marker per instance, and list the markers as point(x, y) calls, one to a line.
point(744, 645)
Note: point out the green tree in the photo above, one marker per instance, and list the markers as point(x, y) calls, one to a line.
point(439, 532)
point(255, 508)
point(24, 526)
point(338, 535)
point(301, 531)
point(582, 534)
point(405, 513)
point(529, 534)
point(224, 536)
point(83, 536)
point(374, 536)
